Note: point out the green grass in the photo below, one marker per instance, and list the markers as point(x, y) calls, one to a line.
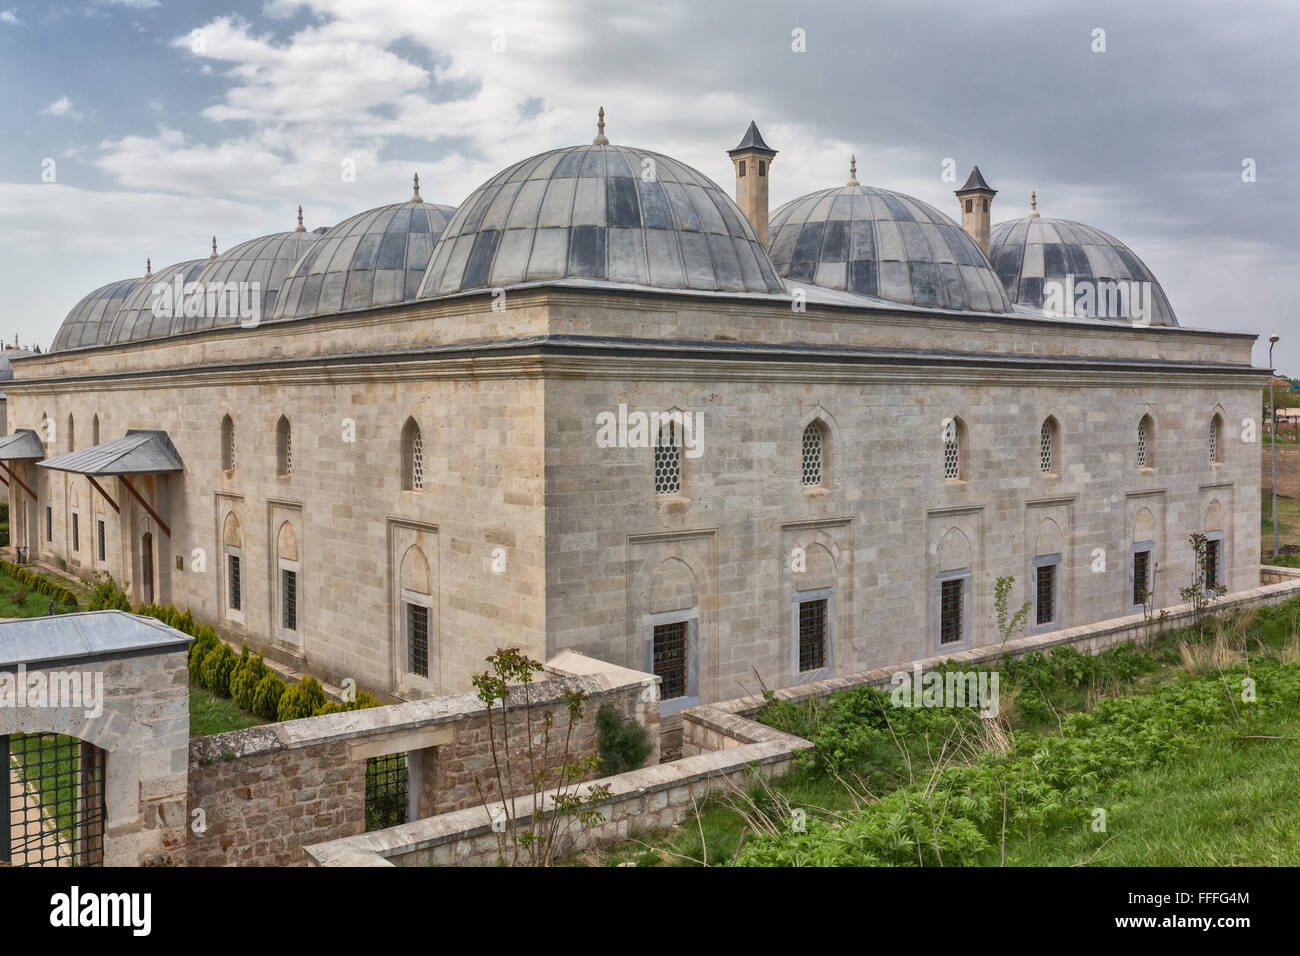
point(210, 714)
point(33, 604)
point(1288, 523)
point(52, 768)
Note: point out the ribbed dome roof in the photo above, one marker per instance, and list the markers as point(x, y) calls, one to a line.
point(375, 258)
point(265, 261)
point(600, 213)
point(91, 319)
point(1027, 252)
point(135, 319)
point(880, 243)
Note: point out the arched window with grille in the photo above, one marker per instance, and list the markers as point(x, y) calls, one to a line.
point(1049, 450)
point(668, 458)
point(1146, 442)
point(954, 451)
point(227, 443)
point(94, 430)
point(283, 448)
point(814, 456)
point(412, 457)
point(72, 443)
point(1216, 440)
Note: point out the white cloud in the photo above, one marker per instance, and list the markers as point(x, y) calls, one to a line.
point(62, 107)
point(136, 4)
point(9, 16)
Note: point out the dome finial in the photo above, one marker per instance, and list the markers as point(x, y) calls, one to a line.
point(415, 196)
point(600, 139)
point(300, 227)
point(214, 248)
point(1033, 204)
point(853, 171)
point(148, 268)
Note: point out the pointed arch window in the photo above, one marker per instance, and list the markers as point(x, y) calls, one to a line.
point(227, 443)
point(1146, 442)
point(1048, 447)
point(412, 457)
point(94, 430)
point(668, 458)
point(814, 455)
point(1216, 440)
point(72, 445)
point(954, 451)
point(283, 448)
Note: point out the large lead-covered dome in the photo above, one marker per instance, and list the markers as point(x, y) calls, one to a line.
point(374, 258)
point(883, 244)
point(91, 319)
point(136, 320)
point(264, 261)
point(601, 213)
point(1029, 253)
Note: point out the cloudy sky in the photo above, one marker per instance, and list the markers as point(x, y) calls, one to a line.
point(161, 124)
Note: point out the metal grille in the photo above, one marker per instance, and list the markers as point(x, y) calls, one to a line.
point(1045, 606)
point(950, 612)
point(284, 447)
point(1141, 576)
point(1213, 550)
point(417, 461)
point(1142, 443)
point(1214, 440)
point(49, 523)
point(812, 635)
point(668, 461)
point(289, 599)
point(102, 547)
point(76, 532)
point(235, 596)
point(1045, 448)
point(417, 638)
point(52, 813)
point(227, 443)
point(670, 659)
point(386, 791)
point(952, 453)
point(812, 456)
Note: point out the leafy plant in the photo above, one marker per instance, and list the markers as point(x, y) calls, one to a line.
point(216, 668)
point(301, 700)
point(1198, 593)
point(622, 744)
point(266, 699)
point(1010, 625)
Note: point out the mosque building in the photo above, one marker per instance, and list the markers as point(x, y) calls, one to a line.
point(602, 405)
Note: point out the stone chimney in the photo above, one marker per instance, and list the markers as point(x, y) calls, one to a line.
point(976, 197)
point(753, 161)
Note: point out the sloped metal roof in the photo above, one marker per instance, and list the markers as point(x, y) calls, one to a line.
point(752, 139)
point(23, 445)
point(86, 636)
point(140, 452)
point(975, 181)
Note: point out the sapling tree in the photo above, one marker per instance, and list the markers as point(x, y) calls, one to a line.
point(533, 838)
point(1199, 593)
point(1009, 625)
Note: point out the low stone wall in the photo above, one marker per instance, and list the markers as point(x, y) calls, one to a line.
point(266, 791)
point(722, 746)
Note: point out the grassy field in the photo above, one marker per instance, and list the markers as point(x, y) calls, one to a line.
point(210, 714)
point(22, 600)
point(1288, 527)
point(1186, 775)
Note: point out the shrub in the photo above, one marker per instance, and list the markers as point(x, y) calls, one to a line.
point(622, 744)
point(266, 699)
point(360, 702)
point(216, 669)
point(245, 680)
point(301, 700)
point(47, 587)
point(199, 649)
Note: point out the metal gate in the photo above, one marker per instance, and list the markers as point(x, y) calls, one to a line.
point(52, 812)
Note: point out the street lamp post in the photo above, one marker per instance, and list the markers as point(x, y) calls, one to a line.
point(1272, 435)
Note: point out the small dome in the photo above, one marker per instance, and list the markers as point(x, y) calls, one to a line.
point(264, 261)
point(1028, 252)
point(604, 214)
point(375, 258)
point(879, 243)
point(91, 319)
point(135, 320)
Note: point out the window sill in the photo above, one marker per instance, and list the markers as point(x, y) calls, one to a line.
point(672, 502)
point(1146, 471)
point(816, 491)
point(955, 484)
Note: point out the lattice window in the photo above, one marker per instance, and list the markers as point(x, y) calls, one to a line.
point(227, 443)
point(232, 562)
point(1214, 439)
point(76, 532)
point(1213, 562)
point(812, 456)
point(289, 599)
point(49, 523)
point(417, 639)
point(386, 791)
point(812, 635)
point(1141, 576)
point(1045, 605)
point(1045, 449)
point(1143, 440)
point(950, 611)
point(668, 461)
point(952, 455)
point(670, 642)
point(103, 544)
point(284, 448)
point(412, 457)
point(417, 461)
